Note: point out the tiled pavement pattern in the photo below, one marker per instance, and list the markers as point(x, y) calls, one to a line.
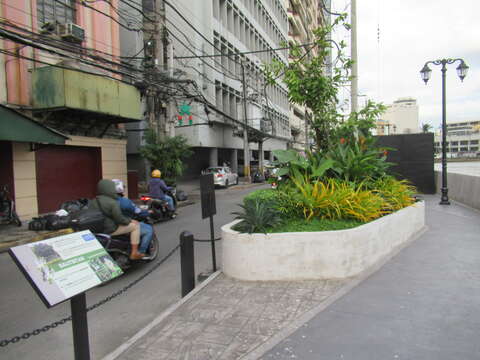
point(228, 319)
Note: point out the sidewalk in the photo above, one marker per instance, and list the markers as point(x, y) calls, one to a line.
point(422, 304)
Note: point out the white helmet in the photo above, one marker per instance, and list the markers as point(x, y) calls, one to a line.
point(119, 188)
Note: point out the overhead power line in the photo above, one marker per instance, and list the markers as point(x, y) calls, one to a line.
point(244, 52)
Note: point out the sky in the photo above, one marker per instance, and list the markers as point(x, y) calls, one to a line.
point(413, 32)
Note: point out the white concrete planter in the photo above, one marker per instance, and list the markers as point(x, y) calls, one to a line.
point(318, 255)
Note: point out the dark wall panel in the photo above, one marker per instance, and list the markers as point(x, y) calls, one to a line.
point(66, 173)
point(6, 166)
point(413, 158)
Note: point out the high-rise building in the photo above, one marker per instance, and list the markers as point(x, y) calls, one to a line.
point(214, 43)
point(401, 117)
point(304, 17)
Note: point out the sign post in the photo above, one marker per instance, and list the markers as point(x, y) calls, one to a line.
point(81, 345)
point(207, 195)
point(64, 268)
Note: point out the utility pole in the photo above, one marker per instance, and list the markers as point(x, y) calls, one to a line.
point(353, 49)
point(161, 63)
point(246, 149)
point(156, 50)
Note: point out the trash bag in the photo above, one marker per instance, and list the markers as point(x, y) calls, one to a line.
point(181, 195)
point(37, 224)
point(72, 206)
point(55, 222)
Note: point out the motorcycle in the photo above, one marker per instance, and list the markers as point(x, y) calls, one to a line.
point(258, 177)
point(119, 248)
point(159, 208)
point(8, 215)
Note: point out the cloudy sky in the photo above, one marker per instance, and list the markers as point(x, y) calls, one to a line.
point(411, 33)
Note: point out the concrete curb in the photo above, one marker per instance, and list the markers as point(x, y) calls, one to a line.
point(6, 245)
point(289, 330)
point(121, 349)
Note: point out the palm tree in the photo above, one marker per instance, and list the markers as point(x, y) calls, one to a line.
point(426, 128)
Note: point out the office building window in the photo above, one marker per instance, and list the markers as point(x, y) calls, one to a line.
point(51, 11)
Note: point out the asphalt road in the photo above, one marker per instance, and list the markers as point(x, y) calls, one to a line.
point(21, 310)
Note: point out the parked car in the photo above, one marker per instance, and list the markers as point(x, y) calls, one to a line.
point(222, 176)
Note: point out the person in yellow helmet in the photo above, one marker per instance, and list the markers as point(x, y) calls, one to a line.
point(157, 189)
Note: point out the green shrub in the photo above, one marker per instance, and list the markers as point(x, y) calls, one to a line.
point(356, 161)
point(265, 195)
point(396, 193)
point(257, 216)
point(299, 225)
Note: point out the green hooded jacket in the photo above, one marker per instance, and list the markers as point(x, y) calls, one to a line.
point(107, 197)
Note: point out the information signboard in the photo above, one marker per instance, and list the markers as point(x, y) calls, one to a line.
point(62, 267)
point(207, 196)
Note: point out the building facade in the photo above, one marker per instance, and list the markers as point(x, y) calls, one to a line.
point(303, 18)
point(462, 139)
point(211, 112)
point(401, 117)
point(63, 101)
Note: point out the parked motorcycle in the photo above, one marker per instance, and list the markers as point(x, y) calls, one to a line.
point(159, 208)
point(8, 215)
point(258, 177)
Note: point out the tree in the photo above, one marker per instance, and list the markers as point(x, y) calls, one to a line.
point(167, 155)
point(308, 83)
point(426, 128)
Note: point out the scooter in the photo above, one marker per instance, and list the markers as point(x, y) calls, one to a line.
point(159, 208)
point(8, 215)
point(119, 248)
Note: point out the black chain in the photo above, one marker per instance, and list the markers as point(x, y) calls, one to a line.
point(204, 240)
point(24, 336)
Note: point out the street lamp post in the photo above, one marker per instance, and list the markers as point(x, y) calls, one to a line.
point(462, 70)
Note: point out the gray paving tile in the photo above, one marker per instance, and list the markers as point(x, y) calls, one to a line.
point(179, 328)
point(234, 321)
point(150, 353)
point(241, 345)
point(218, 334)
point(198, 351)
point(263, 326)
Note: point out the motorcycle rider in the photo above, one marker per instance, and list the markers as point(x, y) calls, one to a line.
point(157, 189)
point(115, 222)
point(129, 209)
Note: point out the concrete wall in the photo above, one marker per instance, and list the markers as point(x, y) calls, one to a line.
point(25, 179)
point(462, 188)
point(318, 255)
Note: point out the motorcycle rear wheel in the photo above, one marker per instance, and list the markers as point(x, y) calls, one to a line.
point(153, 249)
point(16, 219)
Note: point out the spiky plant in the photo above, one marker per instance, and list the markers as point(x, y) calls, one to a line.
point(257, 216)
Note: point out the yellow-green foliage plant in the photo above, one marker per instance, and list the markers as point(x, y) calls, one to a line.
point(336, 199)
point(397, 194)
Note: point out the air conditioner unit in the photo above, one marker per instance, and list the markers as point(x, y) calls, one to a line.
point(71, 32)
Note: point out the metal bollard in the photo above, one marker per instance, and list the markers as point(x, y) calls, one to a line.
point(187, 262)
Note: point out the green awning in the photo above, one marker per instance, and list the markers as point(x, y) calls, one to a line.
point(15, 126)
